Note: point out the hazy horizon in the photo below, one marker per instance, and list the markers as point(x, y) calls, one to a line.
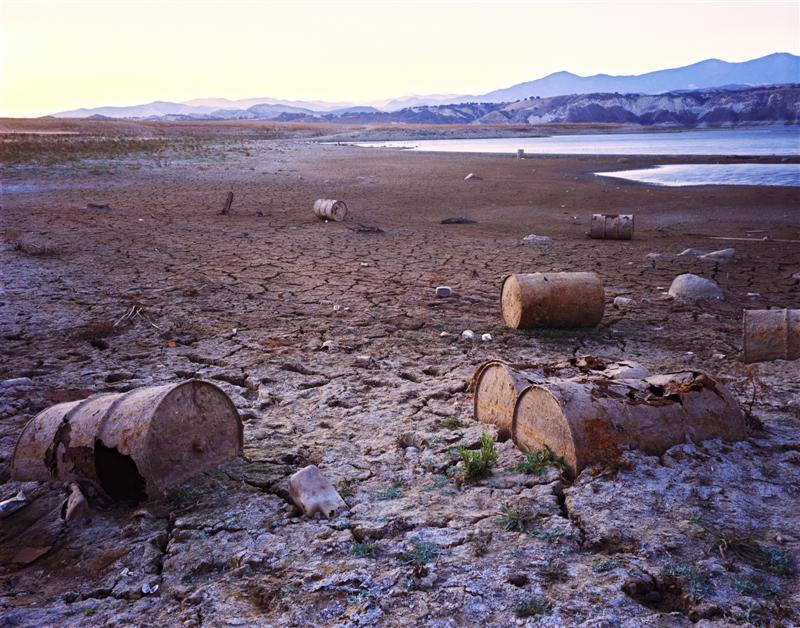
point(69, 55)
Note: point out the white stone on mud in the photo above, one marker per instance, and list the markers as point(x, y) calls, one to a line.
point(796, 277)
point(692, 253)
point(486, 337)
point(537, 239)
point(472, 177)
point(444, 291)
point(692, 288)
point(468, 334)
point(723, 256)
point(313, 493)
point(623, 302)
point(16, 382)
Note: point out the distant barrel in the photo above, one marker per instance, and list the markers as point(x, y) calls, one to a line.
point(558, 300)
point(520, 153)
point(771, 335)
point(589, 422)
point(330, 209)
point(611, 227)
point(135, 444)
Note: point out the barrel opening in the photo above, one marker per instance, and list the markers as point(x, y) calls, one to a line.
point(118, 474)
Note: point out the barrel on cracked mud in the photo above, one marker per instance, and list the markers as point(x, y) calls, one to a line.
point(330, 209)
point(135, 444)
point(554, 300)
point(588, 422)
point(611, 227)
point(771, 335)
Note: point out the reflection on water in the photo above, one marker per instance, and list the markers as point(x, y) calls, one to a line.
point(760, 141)
point(713, 174)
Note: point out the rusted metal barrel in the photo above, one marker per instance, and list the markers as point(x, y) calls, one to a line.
point(771, 335)
point(611, 227)
point(330, 209)
point(498, 384)
point(589, 422)
point(559, 300)
point(135, 444)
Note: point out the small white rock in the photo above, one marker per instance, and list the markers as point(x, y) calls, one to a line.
point(468, 334)
point(472, 177)
point(444, 291)
point(537, 239)
point(623, 302)
point(444, 334)
point(486, 337)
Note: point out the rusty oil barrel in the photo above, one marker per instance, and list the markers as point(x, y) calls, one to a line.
point(611, 227)
point(330, 209)
point(136, 444)
point(557, 300)
point(771, 335)
point(497, 384)
point(590, 422)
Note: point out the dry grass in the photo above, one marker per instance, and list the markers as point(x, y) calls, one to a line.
point(58, 149)
point(29, 244)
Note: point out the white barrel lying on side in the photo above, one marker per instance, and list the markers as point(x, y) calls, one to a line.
point(330, 209)
point(771, 335)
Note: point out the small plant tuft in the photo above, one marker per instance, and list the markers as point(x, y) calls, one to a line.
point(513, 519)
point(393, 492)
point(420, 553)
point(604, 566)
point(479, 463)
point(533, 608)
point(537, 462)
point(364, 550)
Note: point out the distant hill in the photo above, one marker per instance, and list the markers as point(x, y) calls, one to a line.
point(777, 104)
point(773, 69)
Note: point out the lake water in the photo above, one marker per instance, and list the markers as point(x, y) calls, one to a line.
point(676, 175)
point(782, 141)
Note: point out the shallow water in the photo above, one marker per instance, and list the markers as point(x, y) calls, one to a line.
point(784, 141)
point(677, 175)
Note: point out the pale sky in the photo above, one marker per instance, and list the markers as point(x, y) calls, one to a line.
point(64, 55)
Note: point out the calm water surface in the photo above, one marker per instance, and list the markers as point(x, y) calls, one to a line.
point(713, 174)
point(783, 141)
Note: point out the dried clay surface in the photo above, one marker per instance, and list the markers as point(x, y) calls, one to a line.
point(333, 346)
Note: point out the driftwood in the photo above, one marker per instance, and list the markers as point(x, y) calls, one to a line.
point(226, 209)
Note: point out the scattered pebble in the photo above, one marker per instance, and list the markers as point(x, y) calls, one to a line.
point(468, 334)
point(486, 337)
point(444, 291)
point(620, 302)
point(724, 256)
point(472, 177)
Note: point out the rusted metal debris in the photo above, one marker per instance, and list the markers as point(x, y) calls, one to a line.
point(771, 335)
point(557, 300)
point(135, 444)
point(590, 418)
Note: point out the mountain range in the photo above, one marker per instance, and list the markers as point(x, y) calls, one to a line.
point(777, 68)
